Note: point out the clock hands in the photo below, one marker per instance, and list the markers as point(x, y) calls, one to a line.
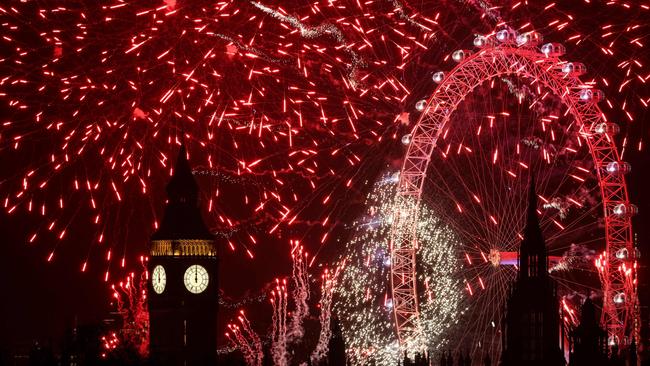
point(197, 283)
point(158, 279)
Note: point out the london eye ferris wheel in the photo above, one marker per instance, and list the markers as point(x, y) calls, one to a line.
point(510, 110)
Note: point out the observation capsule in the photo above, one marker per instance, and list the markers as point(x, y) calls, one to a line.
point(574, 68)
point(460, 55)
point(553, 49)
point(591, 95)
point(618, 167)
point(406, 139)
point(607, 128)
point(622, 253)
point(625, 210)
point(619, 298)
point(420, 105)
point(481, 41)
point(612, 341)
point(506, 36)
point(529, 39)
point(389, 303)
point(438, 77)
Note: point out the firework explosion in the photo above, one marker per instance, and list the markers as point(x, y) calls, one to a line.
point(364, 298)
point(284, 106)
point(244, 338)
point(280, 101)
point(130, 298)
point(268, 103)
point(283, 339)
point(328, 286)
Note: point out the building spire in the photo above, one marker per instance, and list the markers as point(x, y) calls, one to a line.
point(532, 199)
point(182, 219)
point(533, 232)
point(532, 327)
point(532, 252)
point(182, 187)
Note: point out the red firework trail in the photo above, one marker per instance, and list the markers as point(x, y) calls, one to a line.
point(282, 104)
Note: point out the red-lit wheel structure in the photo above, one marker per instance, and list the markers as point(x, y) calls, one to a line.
point(507, 54)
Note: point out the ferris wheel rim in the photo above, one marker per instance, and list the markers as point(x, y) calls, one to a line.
point(491, 62)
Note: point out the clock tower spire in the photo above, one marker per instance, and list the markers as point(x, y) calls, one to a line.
point(183, 286)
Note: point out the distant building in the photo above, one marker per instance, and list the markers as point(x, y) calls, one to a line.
point(336, 349)
point(183, 286)
point(531, 330)
point(81, 345)
point(588, 341)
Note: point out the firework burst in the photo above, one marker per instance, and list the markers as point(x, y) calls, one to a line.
point(281, 101)
point(364, 294)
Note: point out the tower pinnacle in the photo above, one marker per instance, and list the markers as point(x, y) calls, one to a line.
point(184, 283)
point(182, 218)
point(532, 252)
point(531, 328)
point(182, 187)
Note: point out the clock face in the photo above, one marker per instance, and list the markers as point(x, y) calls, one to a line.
point(159, 279)
point(196, 279)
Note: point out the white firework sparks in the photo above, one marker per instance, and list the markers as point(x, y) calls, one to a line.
point(364, 298)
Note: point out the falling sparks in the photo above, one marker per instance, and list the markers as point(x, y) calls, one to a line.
point(283, 108)
point(260, 100)
point(364, 300)
point(130, 296)
point(279, 300)
point(328, 286)
point(300, 278)
point(244, 338)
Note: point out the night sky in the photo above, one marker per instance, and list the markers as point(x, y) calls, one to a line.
point(41, 300)
point(322, 170)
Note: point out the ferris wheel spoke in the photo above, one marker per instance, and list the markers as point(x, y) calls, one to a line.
point(495, 129)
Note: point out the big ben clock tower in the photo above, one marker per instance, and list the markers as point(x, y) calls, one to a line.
point(183, 286)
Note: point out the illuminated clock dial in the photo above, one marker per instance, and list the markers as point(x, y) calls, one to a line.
point(159, 279)
point(196, 279)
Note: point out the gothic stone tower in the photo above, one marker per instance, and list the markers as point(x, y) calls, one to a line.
point(531, 330)
point(588, 341)
point(183, 286)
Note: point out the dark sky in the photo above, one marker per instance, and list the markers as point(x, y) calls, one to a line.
point(40, 300)
point(638, 183)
